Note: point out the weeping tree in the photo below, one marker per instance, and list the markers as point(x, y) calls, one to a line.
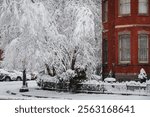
point(30, 46)
point(39, 42)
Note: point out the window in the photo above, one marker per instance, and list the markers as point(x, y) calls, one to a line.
point(105, 51)
point(124, 7)
point(124, 48)
point(105, 10)
point(143, 48)
point(143, 7)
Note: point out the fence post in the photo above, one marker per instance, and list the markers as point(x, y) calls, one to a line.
point(103, 88)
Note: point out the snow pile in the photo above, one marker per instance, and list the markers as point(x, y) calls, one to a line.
point(148, 82)
point(47, 78)
point(133, 83)
point(95, 82)
point(115, 88)
point(110, 79)
point(96, 77)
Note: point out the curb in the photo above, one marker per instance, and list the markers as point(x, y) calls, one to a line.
point(34, 96)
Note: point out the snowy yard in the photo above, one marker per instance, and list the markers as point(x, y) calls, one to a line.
point(10, 90)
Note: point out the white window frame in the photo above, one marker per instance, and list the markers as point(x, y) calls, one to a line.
point(140, 4)
point(147, 48)
point(123, 4)
point(121, 49)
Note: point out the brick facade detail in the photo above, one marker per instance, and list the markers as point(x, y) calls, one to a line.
point(134, 23)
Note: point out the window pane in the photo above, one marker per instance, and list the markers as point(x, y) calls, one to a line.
point(143, 6)
point(143, 48)
point(124, 47)
point(124, 6)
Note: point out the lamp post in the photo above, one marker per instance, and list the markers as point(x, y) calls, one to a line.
point(24, 87)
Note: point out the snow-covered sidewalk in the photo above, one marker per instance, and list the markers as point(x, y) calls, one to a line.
point(10, 90)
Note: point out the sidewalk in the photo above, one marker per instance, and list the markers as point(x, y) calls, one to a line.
point(39, 94)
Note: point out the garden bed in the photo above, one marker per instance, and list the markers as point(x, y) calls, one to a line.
point(99, 87)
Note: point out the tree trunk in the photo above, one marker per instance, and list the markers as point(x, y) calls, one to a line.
point(73, 60)
point(48, 70)
point(32, 1)
point(54, 71)
point(24, 77)
point(24, 86)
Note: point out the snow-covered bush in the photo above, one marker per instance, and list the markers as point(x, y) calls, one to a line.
point(96, 77)
point(47, 82)
point(66, 76)
point(133, 83)
point(95, 82)
point(142, 76)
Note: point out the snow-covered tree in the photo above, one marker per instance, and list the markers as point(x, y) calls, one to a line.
point(77, 20)
point(56, 35)
point(31, 49)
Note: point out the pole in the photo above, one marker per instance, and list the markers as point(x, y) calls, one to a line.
point(24, 87)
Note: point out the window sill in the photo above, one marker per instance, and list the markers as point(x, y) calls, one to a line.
point(124, 15)
point(143, 63)
point(124, 64)
point(143, 14)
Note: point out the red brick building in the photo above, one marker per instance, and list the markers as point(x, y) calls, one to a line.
point(126, 37)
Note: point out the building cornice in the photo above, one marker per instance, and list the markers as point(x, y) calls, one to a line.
point(132, 25)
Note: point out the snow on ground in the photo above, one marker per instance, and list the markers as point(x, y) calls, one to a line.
point(10, 90)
